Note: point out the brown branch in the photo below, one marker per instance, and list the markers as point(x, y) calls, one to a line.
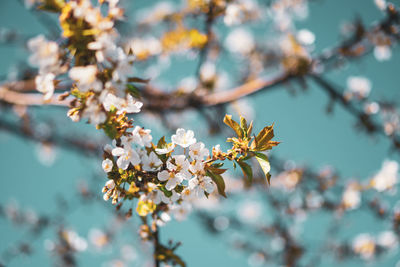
point(28, 99)
point(247, 89)
point(363, 118)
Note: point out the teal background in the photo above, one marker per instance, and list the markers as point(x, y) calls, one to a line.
point(308, 136)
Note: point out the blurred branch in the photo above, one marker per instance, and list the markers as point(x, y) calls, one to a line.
point(79, 144)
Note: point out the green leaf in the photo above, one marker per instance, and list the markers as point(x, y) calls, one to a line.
point(219, 181)
point(137, 80)
point(264, 163)
point(217, 170)
point(165, 191)
point(247, 171)
point(133, 90)
point(110, 130)
point(217, 165)
point(234, 125)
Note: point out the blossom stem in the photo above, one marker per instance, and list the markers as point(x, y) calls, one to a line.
point(156, 244)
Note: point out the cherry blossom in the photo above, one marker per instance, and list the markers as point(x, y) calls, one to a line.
point(183, 138)
point(126, 156)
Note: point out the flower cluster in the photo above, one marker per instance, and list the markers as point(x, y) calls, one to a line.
point(45, 56)
point(167, 177)
point(163, 178)
point(169, 173)
point(366, 246)
point(101, 70)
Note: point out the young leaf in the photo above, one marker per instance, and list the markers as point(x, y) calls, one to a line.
point(219, 181)
point(249, 129)
point(234, 125)
point(263, 139)
point(217, 165)
point(133, 90)
point(161, 143)
point(216, 170)
point(247, 171)
point(243, 126)
point(264, 163)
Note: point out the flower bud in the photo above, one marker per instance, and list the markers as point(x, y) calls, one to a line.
point(110, 184)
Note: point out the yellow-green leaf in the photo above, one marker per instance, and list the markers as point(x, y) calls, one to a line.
point(263, 139)
point(234, 125)
point(161, 143)
point(249, 129)
point(243, 126)
point(264, 163)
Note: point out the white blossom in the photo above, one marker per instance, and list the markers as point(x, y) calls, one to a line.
point(104, 46)
point(45, 84)
point(124, 66)
point(387, 177)
point(240, 41)
point(180, 165)
point(371, 108)
point(151, 162)
point(160, 197)
point(86, 78)
point(94, 111)
point(45, 54)
point(387, 239)
point(381, 4)
point(167, 149)
point(141, 136)
point(233, 14)
point(382, 52)
point(359, 86)
point(200, 184)
point(183, 138)
point(110, 184)
point(198, 151)
point(126, 156)
point(364, 245)
point(208, 71)
point(173, 179)
point(129, 105)
point(351, 198)
point(163, 219)
point(107, 165)
point(305, 37)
